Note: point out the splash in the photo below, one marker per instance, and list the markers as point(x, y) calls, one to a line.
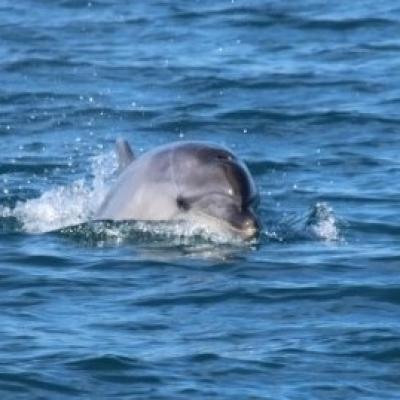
point(66, 205)
point(319, 224)
point(322, 223)
point(70, 209)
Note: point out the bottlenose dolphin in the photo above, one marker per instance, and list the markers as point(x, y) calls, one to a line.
point(197, 182)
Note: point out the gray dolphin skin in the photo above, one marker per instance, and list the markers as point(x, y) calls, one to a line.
point(196, 182)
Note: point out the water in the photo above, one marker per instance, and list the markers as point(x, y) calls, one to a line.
point(307, 93)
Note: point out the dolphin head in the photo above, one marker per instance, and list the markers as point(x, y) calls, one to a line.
point(216, 188)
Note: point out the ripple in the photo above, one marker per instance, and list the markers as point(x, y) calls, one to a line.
point(40, 63)
point(104, 363)
point(348, 23)
point(24, 382)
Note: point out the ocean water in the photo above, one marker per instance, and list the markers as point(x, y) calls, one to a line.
point(307, 94)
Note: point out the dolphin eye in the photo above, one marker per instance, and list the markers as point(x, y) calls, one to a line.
point(182, 204)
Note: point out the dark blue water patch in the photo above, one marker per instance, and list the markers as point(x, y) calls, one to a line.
point(32, 166)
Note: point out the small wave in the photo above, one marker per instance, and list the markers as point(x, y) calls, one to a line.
point(264, 17)
point(346, 23)
point(25, 97)
point(24, 383)
point(113, 113)
point(107, 362)
point(316, 116)
point(38, 62)
point(223, 11)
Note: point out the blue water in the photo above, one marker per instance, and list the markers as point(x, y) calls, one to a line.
point(308, 94)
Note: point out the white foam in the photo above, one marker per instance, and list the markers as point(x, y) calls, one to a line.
point(66, 205)
point(324, 223)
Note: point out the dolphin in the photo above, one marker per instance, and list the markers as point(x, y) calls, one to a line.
point(200, 183)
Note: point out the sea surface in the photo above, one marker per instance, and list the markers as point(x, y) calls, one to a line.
point(307, 93)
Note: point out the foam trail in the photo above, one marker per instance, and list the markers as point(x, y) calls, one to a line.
point(66, 205)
